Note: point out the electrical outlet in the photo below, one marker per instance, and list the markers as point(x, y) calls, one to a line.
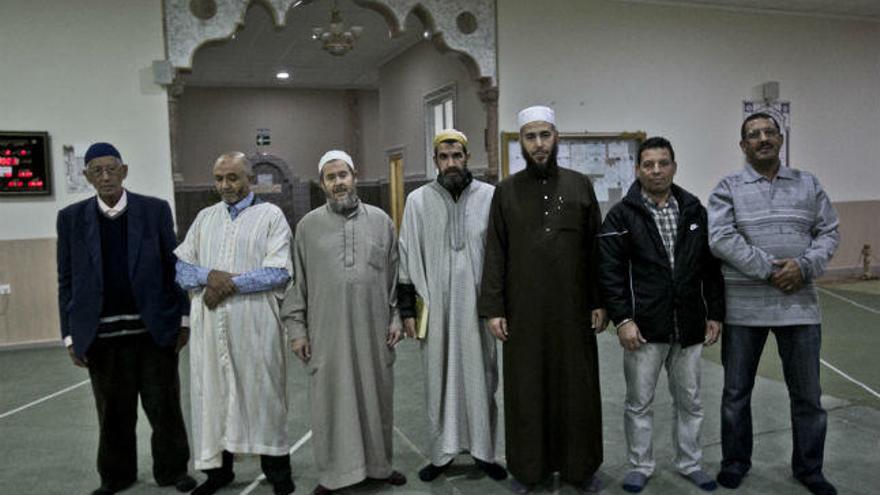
point(5, 289)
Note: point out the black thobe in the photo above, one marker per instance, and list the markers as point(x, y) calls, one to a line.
point(540, 273)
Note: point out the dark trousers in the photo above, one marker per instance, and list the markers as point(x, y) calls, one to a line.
point(121, 369)
point(275, 467)
point(799, 350)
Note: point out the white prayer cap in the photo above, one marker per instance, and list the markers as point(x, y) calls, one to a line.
point(537, 113)
point(334, 155)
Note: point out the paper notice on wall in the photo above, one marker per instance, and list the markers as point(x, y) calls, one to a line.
point(74, 167)
point(600, 186)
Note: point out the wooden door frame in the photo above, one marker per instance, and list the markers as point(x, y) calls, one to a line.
point(396, 159)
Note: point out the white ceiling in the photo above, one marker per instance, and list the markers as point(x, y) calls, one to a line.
point(857, 9)
point(260, 50)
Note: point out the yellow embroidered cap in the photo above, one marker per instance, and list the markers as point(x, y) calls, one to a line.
point(450, 135)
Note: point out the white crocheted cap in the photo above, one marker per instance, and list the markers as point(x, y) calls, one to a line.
point(335, 155)
point(537, 113)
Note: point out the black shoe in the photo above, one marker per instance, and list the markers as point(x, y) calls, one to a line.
point(111, 488)
point(729, 479)
point(396, 479)
point(492, 470)
point(283, 488)
point(214, 483)
point(431, 471)
point(184, 484)
point(821, 487)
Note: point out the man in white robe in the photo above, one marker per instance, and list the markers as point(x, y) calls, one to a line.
point(235, 261)
point(342, 319)
point(441, 260)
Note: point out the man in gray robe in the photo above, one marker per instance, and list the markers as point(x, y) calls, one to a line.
point(441, 260)
point(342, 320)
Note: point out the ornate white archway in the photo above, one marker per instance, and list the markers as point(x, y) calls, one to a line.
point(466, 27)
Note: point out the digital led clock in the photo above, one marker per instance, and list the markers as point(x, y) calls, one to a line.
point(25, 163)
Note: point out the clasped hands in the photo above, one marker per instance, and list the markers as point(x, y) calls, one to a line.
point(220, 286)
point(303, 348)
point(787, 276)
point(631, 338)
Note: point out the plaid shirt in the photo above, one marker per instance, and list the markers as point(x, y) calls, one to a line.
point(666, 218)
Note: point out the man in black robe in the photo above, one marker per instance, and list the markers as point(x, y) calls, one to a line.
point(539, 291)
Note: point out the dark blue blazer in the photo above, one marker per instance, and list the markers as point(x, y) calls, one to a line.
point(151, 261)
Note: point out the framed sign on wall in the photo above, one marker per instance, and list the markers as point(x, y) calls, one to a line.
point(608, 158)
point(25, 164)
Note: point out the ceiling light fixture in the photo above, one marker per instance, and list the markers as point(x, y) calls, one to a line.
point(282, 75)
point(336, 39)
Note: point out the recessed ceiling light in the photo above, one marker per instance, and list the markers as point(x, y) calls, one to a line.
point(283, 75)
point(426, 34)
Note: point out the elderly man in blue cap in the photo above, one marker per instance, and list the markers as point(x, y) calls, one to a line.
point(121, 317)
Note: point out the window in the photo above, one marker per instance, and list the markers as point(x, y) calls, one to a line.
point(439, 115)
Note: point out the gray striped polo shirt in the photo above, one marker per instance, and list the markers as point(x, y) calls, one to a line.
point(752, 222)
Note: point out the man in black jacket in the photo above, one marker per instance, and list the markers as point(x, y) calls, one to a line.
point(664, 291)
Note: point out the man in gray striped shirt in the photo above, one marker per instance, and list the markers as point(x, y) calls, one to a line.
point(774, 229)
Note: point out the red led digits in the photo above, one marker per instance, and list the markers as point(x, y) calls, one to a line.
point(25, 173)
point(35, 183)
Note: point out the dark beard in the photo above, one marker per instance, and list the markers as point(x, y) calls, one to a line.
point(455, 180)
point(541, 170)
point(345, 205)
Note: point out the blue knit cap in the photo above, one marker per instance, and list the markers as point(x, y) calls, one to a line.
point(98, 150)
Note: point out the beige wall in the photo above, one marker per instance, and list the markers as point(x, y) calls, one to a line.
point(371, 145)
point(30, 313)
point(304, 124)
point(403, 84)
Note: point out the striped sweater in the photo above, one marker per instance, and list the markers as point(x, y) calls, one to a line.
point(752, 222)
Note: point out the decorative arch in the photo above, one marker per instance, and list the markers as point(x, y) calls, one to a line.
point(463, 26)
point(466, 27)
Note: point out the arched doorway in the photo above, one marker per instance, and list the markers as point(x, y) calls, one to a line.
point(381, 107)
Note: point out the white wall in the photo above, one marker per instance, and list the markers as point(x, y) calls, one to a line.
point(81, 71)
point(403, 84)
point(683, 72)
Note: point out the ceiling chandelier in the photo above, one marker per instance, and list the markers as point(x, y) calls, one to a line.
point(336, 39)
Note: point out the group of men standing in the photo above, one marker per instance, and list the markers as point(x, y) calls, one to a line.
point(529, 262)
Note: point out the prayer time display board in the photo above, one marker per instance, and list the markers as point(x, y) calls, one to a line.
point(25, 164)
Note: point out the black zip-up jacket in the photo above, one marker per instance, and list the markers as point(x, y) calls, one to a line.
point(638, 282)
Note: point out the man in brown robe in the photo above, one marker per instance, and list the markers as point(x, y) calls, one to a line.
point(539, 291)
